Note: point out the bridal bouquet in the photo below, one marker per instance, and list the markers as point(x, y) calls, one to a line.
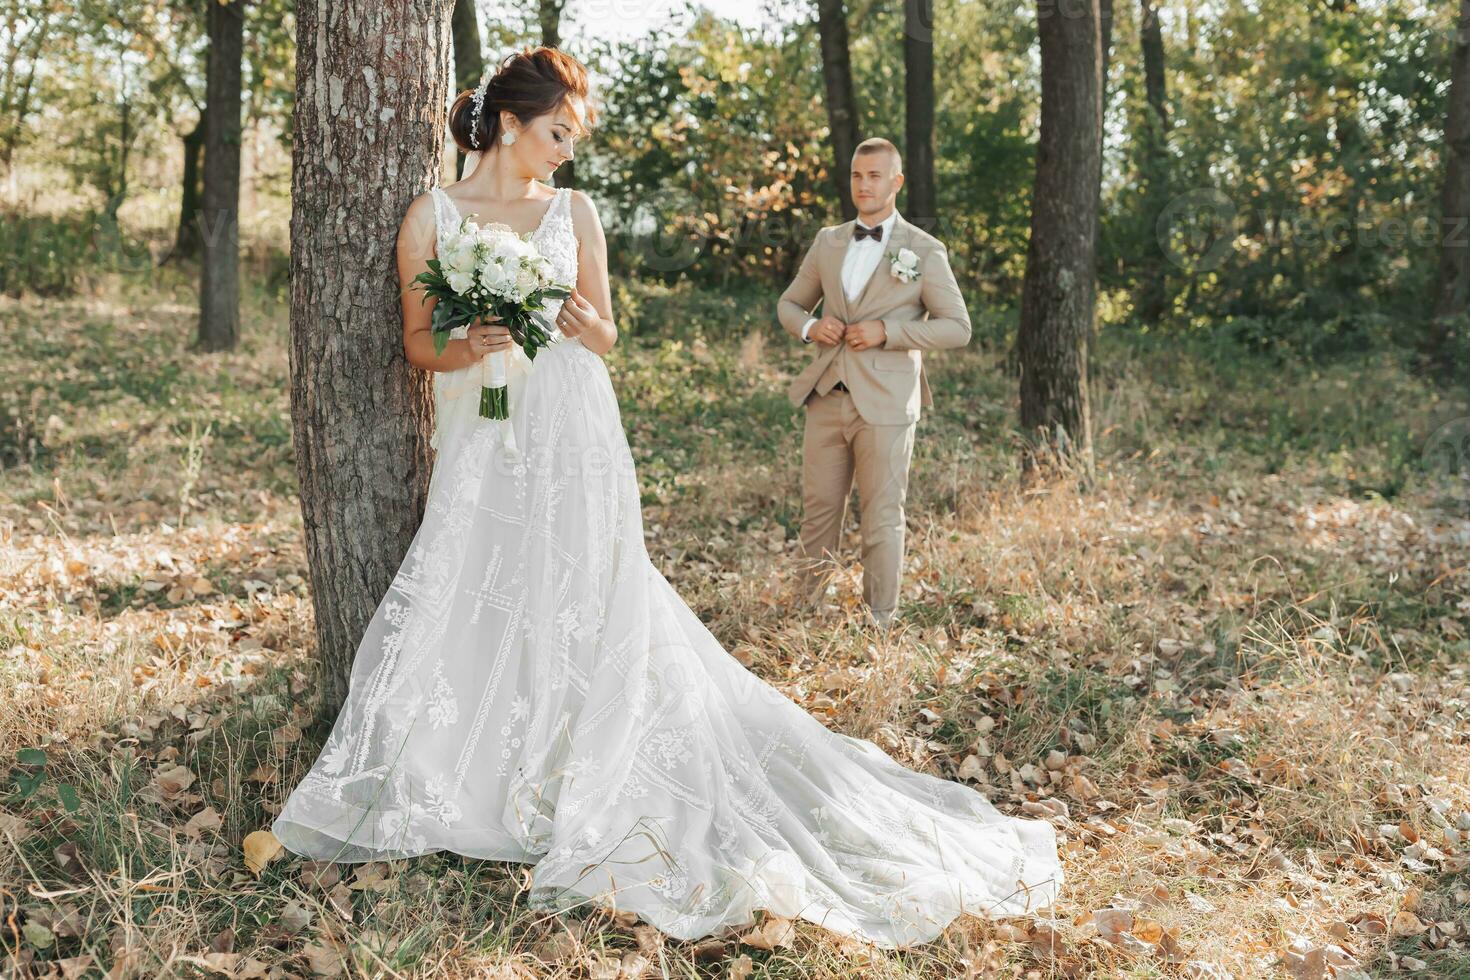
point(486, 271)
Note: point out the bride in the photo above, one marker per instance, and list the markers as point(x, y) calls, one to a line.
point(532, 689)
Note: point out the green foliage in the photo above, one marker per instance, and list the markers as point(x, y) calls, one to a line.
point(1290, 208)
point(1302, 161)
point(48, 255)
point(29, 777)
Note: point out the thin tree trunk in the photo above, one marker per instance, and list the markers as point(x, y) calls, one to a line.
point(550, 11)
point(918, 87)
point(18, 103)
point(469, 57)
point(219, 278)
point(1058, 296)
point(118, 192)
point(187, 242)
point(370, 123)
point(842, 117)
point(550, 15)
point(1346, 266)
point(1153, 285)
point(1105, 48)
point(1452, 292)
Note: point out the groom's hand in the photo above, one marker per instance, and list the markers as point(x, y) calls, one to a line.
point(865, 334)
point(828, 331)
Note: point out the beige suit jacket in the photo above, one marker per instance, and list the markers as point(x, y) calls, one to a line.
point(887, 384)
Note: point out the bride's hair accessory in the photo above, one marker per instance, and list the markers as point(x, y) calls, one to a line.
point(479, 104)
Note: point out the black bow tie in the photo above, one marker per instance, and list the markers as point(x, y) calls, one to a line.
point(875, 233)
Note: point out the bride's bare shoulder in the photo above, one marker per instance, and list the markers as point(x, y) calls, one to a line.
point(419, 222)
point(420, 208)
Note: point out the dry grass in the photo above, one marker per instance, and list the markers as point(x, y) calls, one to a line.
point(1231, 674)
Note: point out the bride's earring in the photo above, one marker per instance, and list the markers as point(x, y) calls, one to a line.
point(507, 137)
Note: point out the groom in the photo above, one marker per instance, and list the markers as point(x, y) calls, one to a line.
point(887, 294)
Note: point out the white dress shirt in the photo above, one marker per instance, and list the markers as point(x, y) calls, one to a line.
point(859, 262)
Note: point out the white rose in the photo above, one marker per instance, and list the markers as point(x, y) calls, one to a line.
point(457, 258)
point(501, 248)
point(526, 280)
point(908, 256)
point(492, 276)
point(460, 282)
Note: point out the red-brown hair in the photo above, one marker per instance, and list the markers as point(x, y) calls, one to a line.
point(527, 84)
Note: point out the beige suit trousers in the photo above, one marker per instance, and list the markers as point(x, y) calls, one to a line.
point(837, 446)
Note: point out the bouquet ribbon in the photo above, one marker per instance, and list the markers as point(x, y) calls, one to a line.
point(495, 396)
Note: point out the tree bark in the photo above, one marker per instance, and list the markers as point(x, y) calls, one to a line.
point(1346, 266)
point(219, 276)
point(1452, 291)
point(469, 58)
point(1105, 52)
point(371, 86)
point(842, 118)
point(1058, 296)
point(188, 241)
point(1152, 297)
point(550, 12)
point(117, 190)
point(918, 87)
point(550, 15)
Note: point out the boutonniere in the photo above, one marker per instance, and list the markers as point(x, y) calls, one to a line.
point(904, 264)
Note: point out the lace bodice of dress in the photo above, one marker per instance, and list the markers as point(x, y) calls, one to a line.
point(553, 237)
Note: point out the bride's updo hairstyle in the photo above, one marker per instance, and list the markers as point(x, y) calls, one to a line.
point(528, 84)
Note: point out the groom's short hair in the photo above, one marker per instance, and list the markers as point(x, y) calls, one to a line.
point(877, 144)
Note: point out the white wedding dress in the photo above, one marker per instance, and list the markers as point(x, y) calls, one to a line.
point(532, 689)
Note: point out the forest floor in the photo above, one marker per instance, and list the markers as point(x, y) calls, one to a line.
point(1232, 670)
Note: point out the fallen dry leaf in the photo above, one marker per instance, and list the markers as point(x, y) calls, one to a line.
point(261, 848)
point(773, 932)
point(206, 819)
point(1407, 924)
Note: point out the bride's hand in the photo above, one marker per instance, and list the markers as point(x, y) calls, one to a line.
point(485, 338)
point(576, 315)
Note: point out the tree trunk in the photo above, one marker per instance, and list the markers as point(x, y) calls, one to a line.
point(550, 15)
point(117, 192)
point(1105, 50)
point(550, 11)
point(1346, 270)
point(918, 88)
point(17, 95)
point(187, 242)
point(372, 81)
point(219, 278)
point(1151, 40)
point(1058, 296)
point(1153, 285)
point(841, 104)
point(1452, 292)
point(469, 58)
